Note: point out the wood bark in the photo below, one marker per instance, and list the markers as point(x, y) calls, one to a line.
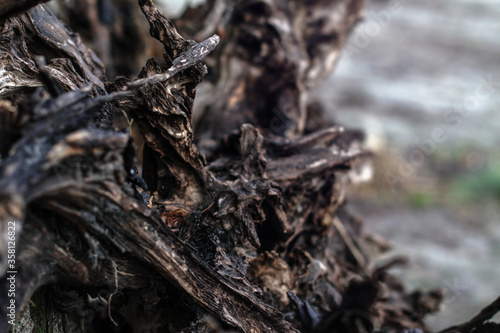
point(10, 8)
point(238, 221)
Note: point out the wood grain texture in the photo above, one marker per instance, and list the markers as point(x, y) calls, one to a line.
point(256, 209)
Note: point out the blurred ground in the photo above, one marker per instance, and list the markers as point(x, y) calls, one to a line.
point(420, 77)
point(422, 82)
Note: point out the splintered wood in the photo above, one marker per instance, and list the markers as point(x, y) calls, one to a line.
point(234, 220)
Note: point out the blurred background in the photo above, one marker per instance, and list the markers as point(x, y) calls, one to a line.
point(422, 79)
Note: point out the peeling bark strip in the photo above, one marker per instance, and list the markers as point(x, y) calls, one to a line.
point(234, 239)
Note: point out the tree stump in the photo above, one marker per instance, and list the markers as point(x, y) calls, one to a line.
point(233, 220)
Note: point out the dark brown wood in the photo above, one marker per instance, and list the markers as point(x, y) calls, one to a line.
point(9, 8)
point(238, 222)
point(480, 322)
point(271, 54)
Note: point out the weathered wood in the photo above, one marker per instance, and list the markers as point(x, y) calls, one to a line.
point(97, 191)
point(480, 322)
point(9, 8)
point(245, 230)
point(270, 56)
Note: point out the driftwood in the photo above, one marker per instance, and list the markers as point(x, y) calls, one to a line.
point(236, 222)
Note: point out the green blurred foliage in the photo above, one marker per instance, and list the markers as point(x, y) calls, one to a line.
point(421, 200)
point(480, 185)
